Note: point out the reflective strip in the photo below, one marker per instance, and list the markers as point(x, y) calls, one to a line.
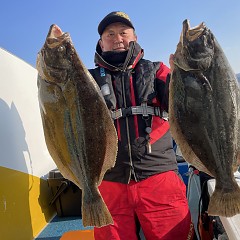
point(144, 109)
point(136, 110)
point(116, 114)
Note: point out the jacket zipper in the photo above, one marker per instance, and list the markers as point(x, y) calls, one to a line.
point(128, 133)
point(124, 73)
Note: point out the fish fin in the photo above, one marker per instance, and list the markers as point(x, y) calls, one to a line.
point(226, 204)
point(94, 210)
point(111, 148)
point(191, 158)
point(236, 163)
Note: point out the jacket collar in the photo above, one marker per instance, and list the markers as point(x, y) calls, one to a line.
point(135, 53)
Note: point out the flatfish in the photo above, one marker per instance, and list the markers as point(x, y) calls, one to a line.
point(204, 113)
point(79, 132)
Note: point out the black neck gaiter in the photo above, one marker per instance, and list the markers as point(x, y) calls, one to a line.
point(115, 58)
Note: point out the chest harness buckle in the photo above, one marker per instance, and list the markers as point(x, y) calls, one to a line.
point(143, 110)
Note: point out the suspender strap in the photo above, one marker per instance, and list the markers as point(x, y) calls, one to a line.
point(136, 110)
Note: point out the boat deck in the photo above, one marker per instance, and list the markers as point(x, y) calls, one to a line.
point(66, 228)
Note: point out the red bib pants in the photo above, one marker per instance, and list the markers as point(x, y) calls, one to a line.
point(158, 202)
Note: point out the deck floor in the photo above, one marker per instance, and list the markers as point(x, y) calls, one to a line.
point(60, 225)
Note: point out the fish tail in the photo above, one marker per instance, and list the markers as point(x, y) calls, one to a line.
point(94, 210)
point(224, 203)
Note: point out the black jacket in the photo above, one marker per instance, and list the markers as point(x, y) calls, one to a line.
point(145, 144)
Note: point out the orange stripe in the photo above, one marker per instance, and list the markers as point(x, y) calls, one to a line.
point(77, 235)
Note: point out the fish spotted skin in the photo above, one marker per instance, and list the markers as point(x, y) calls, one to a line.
point(79, 132)
point(204, 114)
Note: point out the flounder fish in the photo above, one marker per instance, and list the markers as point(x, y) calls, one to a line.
point(204, 114)
point(79, 132)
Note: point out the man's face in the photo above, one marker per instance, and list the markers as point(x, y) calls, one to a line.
point(116, 37)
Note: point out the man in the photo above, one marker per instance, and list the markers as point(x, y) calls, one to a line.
point(144, 185)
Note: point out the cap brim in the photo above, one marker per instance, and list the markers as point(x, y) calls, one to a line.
point(113, 19)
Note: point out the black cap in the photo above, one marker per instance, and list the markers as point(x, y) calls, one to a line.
point(112, 18)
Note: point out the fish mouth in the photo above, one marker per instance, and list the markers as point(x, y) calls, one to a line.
point(56, 39)
point(191, 34)
point(56, 36)
point(191, 54)
point(55, 31)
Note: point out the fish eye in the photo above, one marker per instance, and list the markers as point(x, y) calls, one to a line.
point(61, 49)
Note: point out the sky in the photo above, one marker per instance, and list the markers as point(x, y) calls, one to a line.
point(24, 25)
